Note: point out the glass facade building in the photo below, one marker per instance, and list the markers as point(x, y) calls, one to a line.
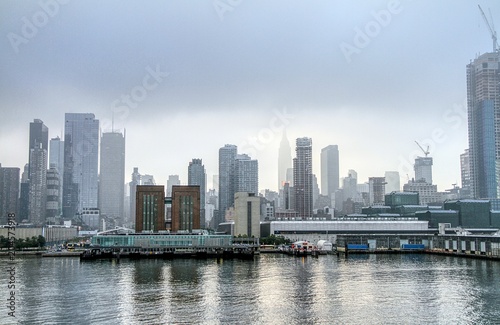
point(329, 170)
point(198, 176)
point(227, 159)
point(81, 152)
point(303, 178)
point(483, 109)
point(112, 176)
point(163, 240)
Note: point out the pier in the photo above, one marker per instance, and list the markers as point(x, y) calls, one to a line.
point(460, 245)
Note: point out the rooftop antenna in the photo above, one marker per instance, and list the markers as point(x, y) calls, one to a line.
point(426, 152)
point(491, 28)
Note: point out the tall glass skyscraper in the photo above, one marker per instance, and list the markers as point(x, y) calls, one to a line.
point(56, 154)
point(9, 192)
point(246, 174)
point(483, 105)
point(330, 170)
point(81, 152)
point(56, 160)
point(423, 169)
point(112, 176)
point(303, 178)
point(38, 157)
point(198, 176)
point(227, 159)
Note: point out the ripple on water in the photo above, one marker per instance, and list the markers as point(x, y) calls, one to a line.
point(273, 289)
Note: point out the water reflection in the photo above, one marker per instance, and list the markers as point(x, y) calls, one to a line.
point(273, 289)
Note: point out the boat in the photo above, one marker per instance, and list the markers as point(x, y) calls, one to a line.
point(302, 248)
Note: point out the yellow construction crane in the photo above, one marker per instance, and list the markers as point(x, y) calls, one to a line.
point(491, 28)
point(426, 152)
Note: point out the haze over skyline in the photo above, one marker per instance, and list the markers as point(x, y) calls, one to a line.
point(184, 79)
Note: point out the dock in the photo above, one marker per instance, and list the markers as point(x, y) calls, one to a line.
point(478, 246)
point(62, 254)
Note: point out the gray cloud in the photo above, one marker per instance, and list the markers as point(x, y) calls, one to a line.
point(262, 56)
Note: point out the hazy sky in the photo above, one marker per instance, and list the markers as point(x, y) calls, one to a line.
point(186, 77)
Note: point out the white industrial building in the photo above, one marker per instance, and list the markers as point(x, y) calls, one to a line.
point(314, 230)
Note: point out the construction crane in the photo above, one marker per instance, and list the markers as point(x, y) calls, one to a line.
point(491, 28)
point(426, 152)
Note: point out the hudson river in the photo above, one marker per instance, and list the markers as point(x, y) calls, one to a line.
point(272, 289)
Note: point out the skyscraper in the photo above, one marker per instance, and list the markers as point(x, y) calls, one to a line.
point(172, 180)
point(423, 169)
point(112, 176)
point(198, 176)
point(329, 170)
point(465, 174)
point(38, 157)
point(377, 190)
point(227, 159)
point(56, 160)
point(24, 195)
point(246, 174)
point(53, 207)
point(302, 178)
point(81, 152)
point(483, 108)
point(56, 154)
point(9, 192)
point(246, 214)
point(393, 182)
point(39, 137)
point(284, 160)
point(315, 187)
point(136, 180)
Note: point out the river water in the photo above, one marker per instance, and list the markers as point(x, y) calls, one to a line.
point(272, 289)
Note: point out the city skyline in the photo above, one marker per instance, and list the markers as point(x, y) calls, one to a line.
point(223, 71)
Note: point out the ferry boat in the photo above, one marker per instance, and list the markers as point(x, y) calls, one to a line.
point(302, 248)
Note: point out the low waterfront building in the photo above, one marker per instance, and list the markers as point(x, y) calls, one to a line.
point(471, 213)
point(161, 240)
point(486, 245)
point(52, 234)
point(314, 230)
point(435, 217)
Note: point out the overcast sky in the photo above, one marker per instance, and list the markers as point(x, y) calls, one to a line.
point(186, 77)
